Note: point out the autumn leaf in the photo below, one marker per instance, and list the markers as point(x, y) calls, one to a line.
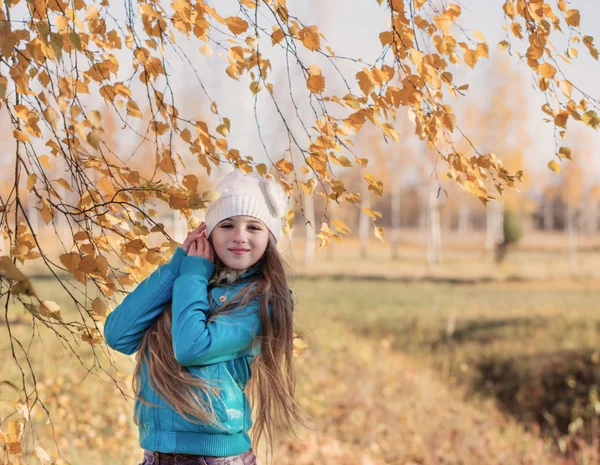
point(546, 70)
point(133, 109)
point(315, 81)
point(94, 140)
point(564, 152)
point(31, 180)
point(70, 261)
point(554, 166)
point(21, 136)
point(285, 166)
point(236, 25)
point(310, 38)
point(573, 18)
point(277, 35)
point(365, 81)
point(379, 233)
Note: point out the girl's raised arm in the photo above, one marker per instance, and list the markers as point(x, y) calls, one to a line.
point(126, 324)
point(196, 342)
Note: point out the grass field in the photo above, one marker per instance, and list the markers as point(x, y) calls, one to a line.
point(397, 372)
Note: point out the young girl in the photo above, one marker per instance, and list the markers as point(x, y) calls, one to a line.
point(218, 312)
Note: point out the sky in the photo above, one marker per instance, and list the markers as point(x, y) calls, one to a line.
point(352, 28)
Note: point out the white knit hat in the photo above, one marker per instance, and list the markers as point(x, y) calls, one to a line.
point(248, 195)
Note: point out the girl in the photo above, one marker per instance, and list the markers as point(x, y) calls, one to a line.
point(218, 312)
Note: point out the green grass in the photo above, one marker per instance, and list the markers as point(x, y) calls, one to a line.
point(502, 340)
point(523, 332)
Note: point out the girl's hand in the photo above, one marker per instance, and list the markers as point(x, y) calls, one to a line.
point(202, 248)
point(192, 236)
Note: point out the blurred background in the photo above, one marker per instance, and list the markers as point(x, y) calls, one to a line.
point(466, 334)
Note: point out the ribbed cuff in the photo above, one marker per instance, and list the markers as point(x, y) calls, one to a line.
point(193, 265)
point(175, 262)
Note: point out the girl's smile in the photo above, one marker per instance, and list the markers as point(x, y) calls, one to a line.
point(240, 241)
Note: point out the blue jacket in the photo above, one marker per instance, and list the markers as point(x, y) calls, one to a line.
point(220, 350)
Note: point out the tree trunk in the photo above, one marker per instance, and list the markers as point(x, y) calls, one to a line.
point(494, 234)
point(179, 226)
point(548, 213)
point(423, 214)
point(464, 217)
point(395, 211)
point(435, 237)
point(309, 212)
point(570, 215)
point(332, 209)
point(363, 220)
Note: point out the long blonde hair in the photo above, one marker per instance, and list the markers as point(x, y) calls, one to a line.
point(271, 388)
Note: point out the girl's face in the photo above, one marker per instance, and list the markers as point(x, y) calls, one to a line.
point(240, 241)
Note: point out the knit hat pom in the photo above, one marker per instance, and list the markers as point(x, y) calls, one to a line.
point(234, 182)
point(276, 196)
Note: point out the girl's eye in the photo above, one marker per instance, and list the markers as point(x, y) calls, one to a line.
point(256, 228)
point(226, 226)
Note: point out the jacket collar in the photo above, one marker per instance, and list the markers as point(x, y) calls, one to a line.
point(230, 276)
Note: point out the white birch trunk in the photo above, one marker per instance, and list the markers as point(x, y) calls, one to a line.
point(395, 211)
point(309, 242)
point(494, 230)
point(363, 220)
point(570, 213)
point(548, 214)
point(435, 236)
point(464, 218)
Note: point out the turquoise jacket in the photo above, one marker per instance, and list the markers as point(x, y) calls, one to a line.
point(220, 350)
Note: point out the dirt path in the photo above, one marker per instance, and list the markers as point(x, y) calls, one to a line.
point(374, 406)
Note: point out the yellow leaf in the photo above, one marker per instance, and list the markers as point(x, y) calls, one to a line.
point(277, 36)
point(341, 226)
point(591, 119)
point(213, 108)
point(186, 135)
point(365, 81)
point(315, 81)
point(70, 260)
point(42, 455)
point(99, 306)
point(285, 166)
point(94, 140)
point(471, 57)
point(31, 179)
point(236, 25)
point(255, 87)
point(444, 22)
point(554, 166)
point(20, 136)
point(371, 213)
point(546, 70)
point(261, 169)
point(479, 36)
point(206, 50)
point(379, 233)
point(310, 38)
point(19, 250)
point(299, 344)
point(386, 38)
point(566, 87)
point(133, 109)
point(565, 152)
point(45, 162)
point(149, 10)
point(573, 18)
point(50, 308)
point(223, 128)
point(503, 45)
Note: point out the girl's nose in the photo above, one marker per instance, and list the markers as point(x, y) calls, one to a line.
point(240, 235)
